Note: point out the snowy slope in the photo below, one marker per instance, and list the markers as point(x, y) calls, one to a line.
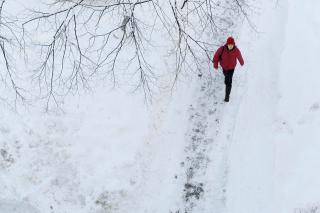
point(251, 178)
point(298, 111)
point(274, 153)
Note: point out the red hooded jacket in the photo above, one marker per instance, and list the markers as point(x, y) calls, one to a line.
point(227, 58)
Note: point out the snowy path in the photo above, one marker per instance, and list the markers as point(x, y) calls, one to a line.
point(207, 141)
point(204, 123)
point(230, 154)
point(258, 154)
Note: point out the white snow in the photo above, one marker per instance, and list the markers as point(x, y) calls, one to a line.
point(109, 152)
point(298, 114)
point(274, 155)
point(16, 207)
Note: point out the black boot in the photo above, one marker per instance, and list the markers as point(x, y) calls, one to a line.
point(228, 91)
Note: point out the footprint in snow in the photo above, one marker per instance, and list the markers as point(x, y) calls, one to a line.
point(315, 107)
point(315, 208)
point(309, 116)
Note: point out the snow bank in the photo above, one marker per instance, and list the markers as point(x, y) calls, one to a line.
point(298, 112)
point(274, 153)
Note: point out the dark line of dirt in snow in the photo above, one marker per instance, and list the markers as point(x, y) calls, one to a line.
point(205, 115)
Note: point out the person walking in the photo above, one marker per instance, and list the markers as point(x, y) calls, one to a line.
point(227, 56)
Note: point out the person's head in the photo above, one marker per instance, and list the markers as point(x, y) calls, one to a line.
point(230, 43)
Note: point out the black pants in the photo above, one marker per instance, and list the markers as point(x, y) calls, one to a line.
point(228, 74)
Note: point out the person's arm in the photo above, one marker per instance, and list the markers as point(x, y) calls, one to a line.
point(216, 58)
point(239, 56)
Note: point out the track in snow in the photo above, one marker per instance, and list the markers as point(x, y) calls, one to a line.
point(205, 164)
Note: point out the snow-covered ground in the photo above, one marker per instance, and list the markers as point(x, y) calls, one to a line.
point(274, 153)
point(189, 151)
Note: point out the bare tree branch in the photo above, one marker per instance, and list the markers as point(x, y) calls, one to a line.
point(8, 37)
point(90, 38)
